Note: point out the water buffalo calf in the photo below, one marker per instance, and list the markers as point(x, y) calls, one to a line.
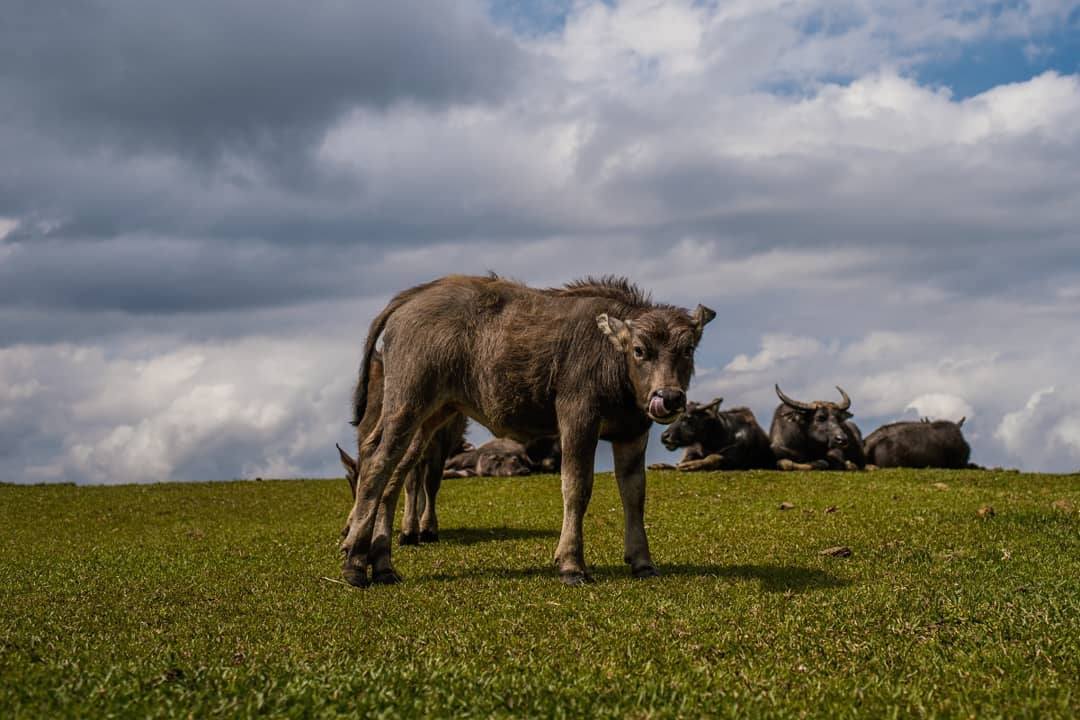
point(918, 444)
point(719, 439)
point(817, 435)
point(593, 360)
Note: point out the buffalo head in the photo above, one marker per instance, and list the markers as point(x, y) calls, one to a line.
point(823, 421)
point(659, 349)
point(690, 427)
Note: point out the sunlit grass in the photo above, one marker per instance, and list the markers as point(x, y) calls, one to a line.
point(222, 599)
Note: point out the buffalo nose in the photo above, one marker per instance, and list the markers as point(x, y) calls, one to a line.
point(674, 400)
point(840, 440)
point(665, 437)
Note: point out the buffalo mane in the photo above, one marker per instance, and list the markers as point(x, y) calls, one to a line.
point(612, 287)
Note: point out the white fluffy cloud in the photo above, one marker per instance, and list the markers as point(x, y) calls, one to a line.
point(258, 406)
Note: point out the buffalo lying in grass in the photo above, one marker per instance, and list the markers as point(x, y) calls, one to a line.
point(719, 439)
point(918, 444)
point(500, 457)
point(420, 522)
point(593, 360)
point(816, 435)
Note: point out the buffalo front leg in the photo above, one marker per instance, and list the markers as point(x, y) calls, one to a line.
point(579, 454)
point(630, 477)
point(787, 459)
point(716, 461)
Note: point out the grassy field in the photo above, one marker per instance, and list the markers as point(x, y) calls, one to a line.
point(222, 599)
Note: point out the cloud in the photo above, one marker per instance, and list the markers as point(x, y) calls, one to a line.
point(242, 409)
point(1045, 432)
point(188, 193)
point(250, 75)
point(941, 406)
point(774, 348)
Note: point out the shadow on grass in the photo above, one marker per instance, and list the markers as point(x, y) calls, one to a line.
point(773, 578)
point(473, 536)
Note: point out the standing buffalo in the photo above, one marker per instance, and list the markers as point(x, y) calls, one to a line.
point(420, 522)
point(918, 444)
point(817, 435)
point(719, 439)
point(593, 360)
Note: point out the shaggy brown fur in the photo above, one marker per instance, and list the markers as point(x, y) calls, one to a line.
point(524, 363)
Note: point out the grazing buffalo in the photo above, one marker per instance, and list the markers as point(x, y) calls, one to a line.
point(918, 444)
point(817, 435)
point(420, 522)
point(500, 457)
point(593, 360)
point(719, 439)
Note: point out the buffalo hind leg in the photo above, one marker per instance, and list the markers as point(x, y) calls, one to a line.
point(579, 453)
point(381, 456)
point(382, 569)
point(630, 477)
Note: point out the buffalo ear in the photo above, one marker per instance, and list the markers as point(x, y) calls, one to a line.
point(617, 331)
point(350, 468)
point(701, 316)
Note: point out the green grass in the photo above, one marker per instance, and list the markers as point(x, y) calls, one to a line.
point(212, 599)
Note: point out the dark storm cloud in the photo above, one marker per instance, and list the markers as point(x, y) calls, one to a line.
point(151, 276)
point(263, 76)
point(160, 157)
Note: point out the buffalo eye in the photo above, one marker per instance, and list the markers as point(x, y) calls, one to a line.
point(639, 352)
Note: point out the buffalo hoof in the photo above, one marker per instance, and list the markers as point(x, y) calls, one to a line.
point(357, 577)
point(429, 536)
point(647, 571)
point(409, 539)
point(574, 579)
point(385, 577)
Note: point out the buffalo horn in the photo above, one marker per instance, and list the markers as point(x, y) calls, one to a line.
point(793, 403)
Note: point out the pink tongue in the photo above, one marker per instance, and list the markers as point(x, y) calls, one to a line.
point(656, 407)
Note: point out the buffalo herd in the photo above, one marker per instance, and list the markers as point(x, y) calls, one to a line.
point(551, 372)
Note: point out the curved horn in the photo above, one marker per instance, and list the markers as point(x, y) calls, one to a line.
point(793, 403)
point(716, 402)
point(847, 401)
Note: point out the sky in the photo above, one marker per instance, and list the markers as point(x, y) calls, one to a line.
point(203, 204)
